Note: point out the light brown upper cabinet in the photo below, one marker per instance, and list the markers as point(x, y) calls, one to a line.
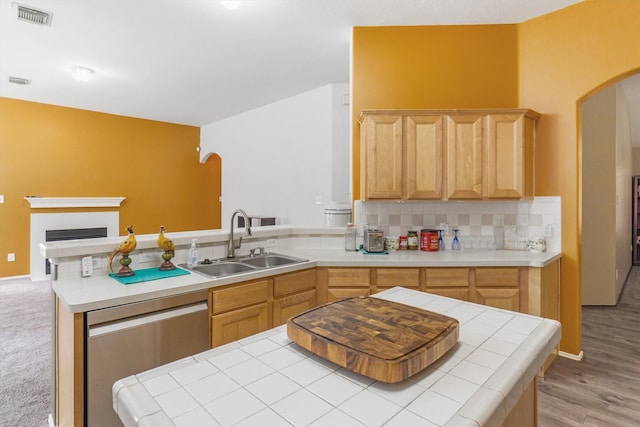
point(447, 154)
point(464, 156)
point(509, 156)
point(401, 156)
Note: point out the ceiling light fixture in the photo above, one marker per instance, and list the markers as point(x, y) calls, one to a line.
point(82, 74)
point(231, 4)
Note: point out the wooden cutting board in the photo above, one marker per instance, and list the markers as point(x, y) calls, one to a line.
point(380, 339)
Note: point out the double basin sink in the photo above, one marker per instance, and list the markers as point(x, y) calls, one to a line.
point(229, 266)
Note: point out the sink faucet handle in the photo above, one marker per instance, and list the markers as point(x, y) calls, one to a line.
point(256, 251)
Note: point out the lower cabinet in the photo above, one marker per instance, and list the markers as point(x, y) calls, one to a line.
point(239, 310)
point(243, 309)
point(498, 287)
point(240, 323)
point(448, 282)
point(338, 283)
point(293, 293)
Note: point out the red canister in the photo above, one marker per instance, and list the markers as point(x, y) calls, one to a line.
point(429, 240)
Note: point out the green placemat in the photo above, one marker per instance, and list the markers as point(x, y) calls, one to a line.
point(362, 250)
point(148, 274)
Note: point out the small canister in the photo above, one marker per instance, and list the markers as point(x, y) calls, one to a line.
point(402, 244)
point(391, 243)
point(412, 240)
point(429, 240)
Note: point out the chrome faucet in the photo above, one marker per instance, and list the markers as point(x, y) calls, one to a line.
point(231, 250)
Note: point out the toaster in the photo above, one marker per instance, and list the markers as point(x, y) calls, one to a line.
point(373, 240)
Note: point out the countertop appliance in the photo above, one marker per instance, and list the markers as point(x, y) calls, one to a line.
point(132, 338)
point(373, 240)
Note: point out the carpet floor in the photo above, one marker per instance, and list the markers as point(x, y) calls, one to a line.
point(25, 353)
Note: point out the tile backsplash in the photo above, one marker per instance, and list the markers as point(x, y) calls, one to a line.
point(522, 220)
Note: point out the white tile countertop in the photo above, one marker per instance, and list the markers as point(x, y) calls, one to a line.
point(267, 379)
point(80, 294)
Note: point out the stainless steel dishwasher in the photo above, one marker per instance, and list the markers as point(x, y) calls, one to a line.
point(133, 338)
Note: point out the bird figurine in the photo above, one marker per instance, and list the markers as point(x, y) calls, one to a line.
point(169, 249)
point(124, 248)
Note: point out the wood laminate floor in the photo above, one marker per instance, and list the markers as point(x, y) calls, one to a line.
point(604, 388)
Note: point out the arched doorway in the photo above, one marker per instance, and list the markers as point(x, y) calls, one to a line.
point(606, 121)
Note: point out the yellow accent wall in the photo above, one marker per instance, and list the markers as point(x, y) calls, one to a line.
point(547, 64)
point(56, 151)
point(565, 57)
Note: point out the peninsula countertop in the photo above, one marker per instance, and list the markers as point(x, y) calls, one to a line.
point(91, 293)
point(268, 380)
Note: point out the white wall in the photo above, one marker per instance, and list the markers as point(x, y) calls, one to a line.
point(282, 159)
point(624, 173)
point(606, 196)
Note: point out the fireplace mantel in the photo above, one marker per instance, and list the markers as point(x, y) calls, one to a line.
point(73, 202)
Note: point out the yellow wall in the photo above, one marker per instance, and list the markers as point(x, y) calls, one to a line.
point(432, 67)
point(55, 151)
point(565, 56)
point(546, 64)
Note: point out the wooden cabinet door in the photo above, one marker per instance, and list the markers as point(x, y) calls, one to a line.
point(295, 282)
point(452, 282)
point(506, 298)
point(424, 157)
point(509, 156)
point(463, 294)
point(498, 287)
point(381, 158)
point(293, 293)
point(237, 324)
point(464, 156)
point(335, 294)
point(338, 283)
point(284, 308)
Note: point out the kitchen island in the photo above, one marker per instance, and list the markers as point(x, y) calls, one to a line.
point(487, 378)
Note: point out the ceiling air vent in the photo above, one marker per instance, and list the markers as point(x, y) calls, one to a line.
point(19, 81)
point(34, 16)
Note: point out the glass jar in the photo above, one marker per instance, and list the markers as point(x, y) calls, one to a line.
point(350, 234)
point(412, 240)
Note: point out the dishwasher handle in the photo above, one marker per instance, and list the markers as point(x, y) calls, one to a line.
point(120, 325)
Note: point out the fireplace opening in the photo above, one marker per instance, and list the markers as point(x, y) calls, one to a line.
point(72, 234)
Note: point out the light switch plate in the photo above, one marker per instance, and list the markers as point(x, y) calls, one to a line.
point(1, 198)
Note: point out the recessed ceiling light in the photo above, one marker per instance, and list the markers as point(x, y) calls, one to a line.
point(82, 74)
point(231, 4)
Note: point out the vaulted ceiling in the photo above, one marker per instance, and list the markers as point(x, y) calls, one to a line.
point(195, 61)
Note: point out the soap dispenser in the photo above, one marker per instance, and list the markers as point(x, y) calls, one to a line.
point(192, 261)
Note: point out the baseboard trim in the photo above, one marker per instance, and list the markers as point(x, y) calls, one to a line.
point(576, 357)
point(5, 279)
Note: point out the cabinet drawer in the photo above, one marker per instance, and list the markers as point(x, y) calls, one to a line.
point(348, 277)
point(295, 282)
point(389, 277)
point(240, 295)
point(498, 277)
point(445, 277)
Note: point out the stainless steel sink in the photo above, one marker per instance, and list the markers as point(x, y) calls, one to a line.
point(229, 266)
point(220, 269)
point(270, 260)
